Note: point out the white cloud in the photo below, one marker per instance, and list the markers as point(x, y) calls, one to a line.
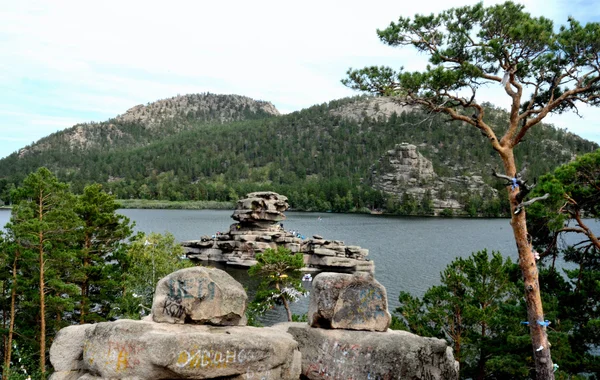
point(81, 61)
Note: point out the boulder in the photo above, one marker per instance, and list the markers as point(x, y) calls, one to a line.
point(199, 295)
point(348, 301)
point(245, 238)
point(66, 351)
point(365, 266)
point(193, 250)
point(210, 254)
point(261, 246)
point(241, 262)
point(228, 245)
point(261, 206)
point(345, 354)
point(293, 247)
point(266, 238)
point(146, 350)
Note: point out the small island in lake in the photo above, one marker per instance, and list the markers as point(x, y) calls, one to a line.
point(259, 225)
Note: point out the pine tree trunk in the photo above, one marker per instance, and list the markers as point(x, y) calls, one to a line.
point(85, 284)
point(481, 363)
point(4, 322)
point(11, 328)
point(42, 291)
point(535, 312)
point(42, 310)
point(285, 303)
point(287, 309)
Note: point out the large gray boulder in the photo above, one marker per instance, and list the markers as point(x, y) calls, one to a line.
point(348, 301)
point(129, 349)
point(199, 295)
point(345, 354)
point(66, 351)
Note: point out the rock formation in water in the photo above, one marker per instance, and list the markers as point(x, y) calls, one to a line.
point(403, 170)
point(211, 347)
point(259, 219)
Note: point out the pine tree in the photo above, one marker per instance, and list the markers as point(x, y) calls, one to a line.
point(476, 309)
point(43, 223)
point(102, 235)
point(279, 271)
point(541, 71)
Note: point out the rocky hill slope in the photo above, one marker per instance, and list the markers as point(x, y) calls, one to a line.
point(339, 156)
point(373, 108)
point(143, 124)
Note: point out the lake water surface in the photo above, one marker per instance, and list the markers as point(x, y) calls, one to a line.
point(409, 253)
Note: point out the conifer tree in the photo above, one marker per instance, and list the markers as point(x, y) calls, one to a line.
point(102, 235)
point(540, 70)
point(279, 271)
point(474, 310)
point(43, 223)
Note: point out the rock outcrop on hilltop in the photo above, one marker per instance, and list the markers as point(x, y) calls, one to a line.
point(221, 108)
point(259, 219)
point(132, 350)
point(403, 170)
point(373, 108)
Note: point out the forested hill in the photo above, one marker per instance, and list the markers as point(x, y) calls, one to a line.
point(144, 124)
point(323, 158)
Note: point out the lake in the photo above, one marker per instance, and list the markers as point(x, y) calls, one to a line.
point(409, 252)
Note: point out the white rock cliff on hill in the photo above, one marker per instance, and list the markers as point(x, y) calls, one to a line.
point(403, 170)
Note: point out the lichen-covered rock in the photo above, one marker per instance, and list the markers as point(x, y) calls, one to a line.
point(345, 354)
point(146, 350)
point(199, 295)
point(348, 301)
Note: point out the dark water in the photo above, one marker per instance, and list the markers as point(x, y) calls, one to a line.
point(409, 253)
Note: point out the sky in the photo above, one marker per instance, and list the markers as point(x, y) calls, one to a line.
point(67, 62)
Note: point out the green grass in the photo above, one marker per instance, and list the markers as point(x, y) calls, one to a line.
point(179, 205)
